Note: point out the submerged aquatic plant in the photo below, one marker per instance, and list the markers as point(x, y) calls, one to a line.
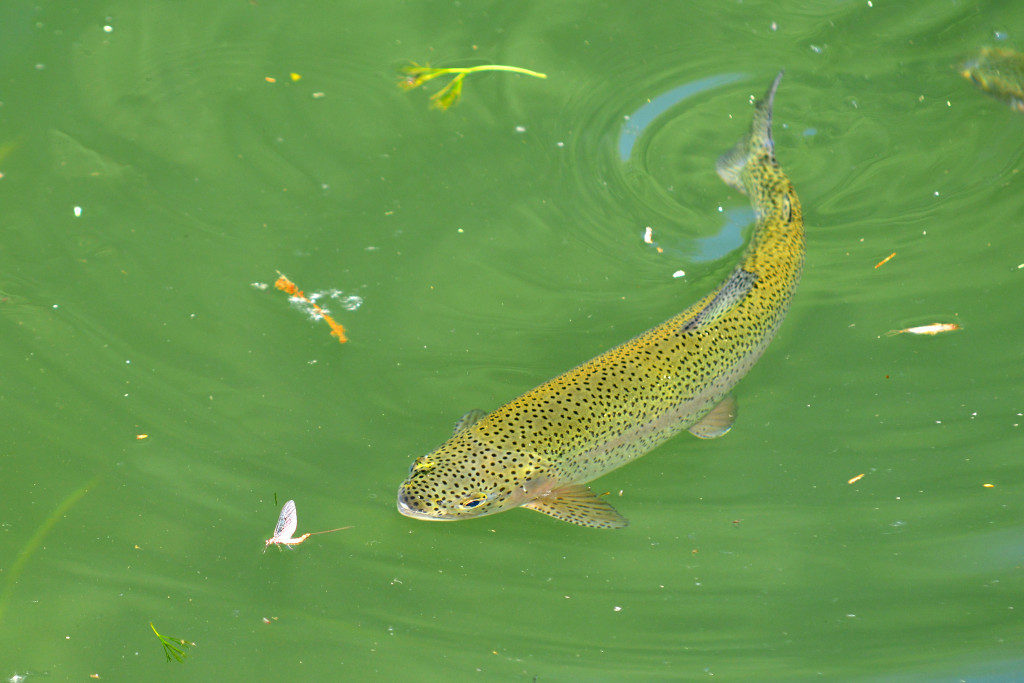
point(414, 75)
point(13, 572)
point(173, 647)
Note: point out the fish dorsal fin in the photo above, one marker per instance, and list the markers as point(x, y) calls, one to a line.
point(577, 504)
point(729, 295)
point(718, 421)
point(468, 420)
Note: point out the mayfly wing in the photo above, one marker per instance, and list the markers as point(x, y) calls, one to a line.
point(287, 522)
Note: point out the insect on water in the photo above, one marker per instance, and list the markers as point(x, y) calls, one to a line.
point(287, 523)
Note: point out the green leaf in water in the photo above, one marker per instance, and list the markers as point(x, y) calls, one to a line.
point(173, 647)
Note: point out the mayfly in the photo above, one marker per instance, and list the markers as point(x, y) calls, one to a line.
point(287, 523)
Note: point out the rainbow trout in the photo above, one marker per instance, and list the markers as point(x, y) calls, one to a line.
point(540, 450)
point(998, 72)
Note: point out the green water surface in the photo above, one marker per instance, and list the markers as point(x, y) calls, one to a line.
point(154, 181)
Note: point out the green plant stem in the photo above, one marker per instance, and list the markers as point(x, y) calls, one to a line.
point(489, 67)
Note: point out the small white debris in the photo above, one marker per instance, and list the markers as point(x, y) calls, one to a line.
point(679, 273)
point(78, 211)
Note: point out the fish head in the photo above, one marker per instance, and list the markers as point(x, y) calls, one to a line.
point(465, 478)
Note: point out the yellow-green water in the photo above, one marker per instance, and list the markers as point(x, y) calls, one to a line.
point(494, 246)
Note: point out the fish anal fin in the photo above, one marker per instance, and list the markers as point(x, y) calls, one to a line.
point(468, 420)
point(718, 421)
point(728, 296)
point(577, 504)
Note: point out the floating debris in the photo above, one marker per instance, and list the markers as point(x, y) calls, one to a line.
point(934, 328)
point(854, 480)
point(287, 286)
point(885, 260)
point(649, 239)
point(414, 75)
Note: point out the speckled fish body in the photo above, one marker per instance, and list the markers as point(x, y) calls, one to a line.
point(1000, 73)
point(540, 450)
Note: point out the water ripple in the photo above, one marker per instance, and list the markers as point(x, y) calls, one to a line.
point(651, 165)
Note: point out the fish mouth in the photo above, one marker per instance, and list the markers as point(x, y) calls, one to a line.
point(409, 511)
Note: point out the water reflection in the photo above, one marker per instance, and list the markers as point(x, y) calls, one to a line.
point(639, 121)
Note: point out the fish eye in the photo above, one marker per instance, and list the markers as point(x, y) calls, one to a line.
point(473, 501)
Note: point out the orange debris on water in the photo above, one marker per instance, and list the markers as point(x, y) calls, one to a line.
point(288, 287)
point(854, 480)
point(885, 260)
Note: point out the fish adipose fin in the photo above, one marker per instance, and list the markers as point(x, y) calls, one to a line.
point(468, 420)
point(731, 293)
point(718, 421)
point(730, 165)
point(577, 504)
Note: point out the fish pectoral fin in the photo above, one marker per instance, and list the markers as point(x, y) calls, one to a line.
point(728, 296)
point(718, 421)
point(577, 504)
point(468, 420)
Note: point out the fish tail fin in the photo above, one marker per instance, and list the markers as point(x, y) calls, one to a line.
point(731, 164)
